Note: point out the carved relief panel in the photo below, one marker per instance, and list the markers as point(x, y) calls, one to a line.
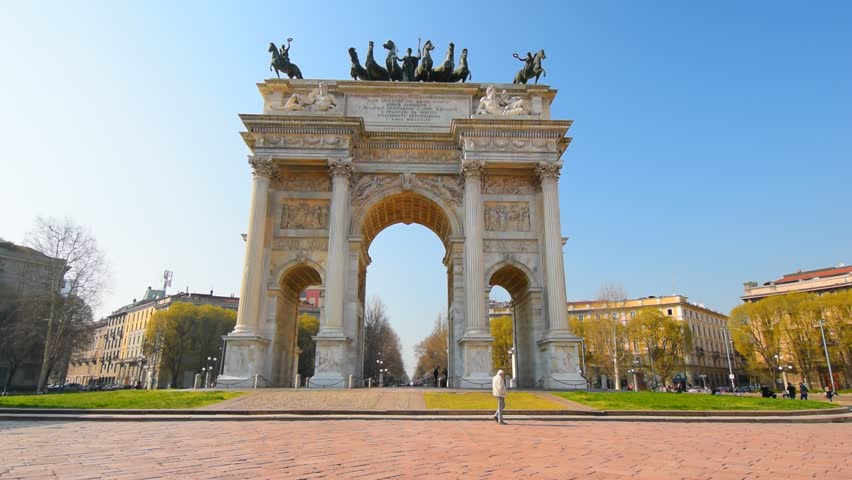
point(366, 185)
point(304, 183)
point(507, 217)
point(509, 185)
point(305, 214)
point(444, 185)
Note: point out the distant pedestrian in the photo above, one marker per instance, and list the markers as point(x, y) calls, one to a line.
point(791, 391)
point(446, 378)
point(803, 391)
point(498, 389)
point(829, 393)
point(436, 373)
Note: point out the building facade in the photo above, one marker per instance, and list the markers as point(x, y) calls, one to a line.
point(116, 355)
point(705, 365)
point(25, 274)
point(819, 281)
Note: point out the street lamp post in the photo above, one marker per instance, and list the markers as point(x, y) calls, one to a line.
point(728, 355)
point(827, 359)
point(634, 371)
point(211, 361)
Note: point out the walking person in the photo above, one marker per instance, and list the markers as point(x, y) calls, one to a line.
point(791, 391)
point(435, 374)
point(803, 391)
point(498, 389)
point(446, 378)
point(829, 393)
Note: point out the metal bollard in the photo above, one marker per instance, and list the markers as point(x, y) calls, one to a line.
point(255, 379)
point(369, 383)
point(298, 382)
point(197, 382)
point(308, 382)
point(351, 380)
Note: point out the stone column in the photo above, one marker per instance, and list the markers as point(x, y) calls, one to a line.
point(331, 339)
point(559, 349)
point(341, 169)
point(473, 268)
point(246, 350)
point(557, 313)
point(476, 341)
point(263, 168)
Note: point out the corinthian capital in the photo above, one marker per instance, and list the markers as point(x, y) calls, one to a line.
point(548, 171)
point(262, 166)
point(340, 167)
point(473, 168)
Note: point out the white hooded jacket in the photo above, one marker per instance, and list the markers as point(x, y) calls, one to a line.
point(498, 386)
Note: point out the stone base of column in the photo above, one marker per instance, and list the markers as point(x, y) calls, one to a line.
point(330, 369)
point(245, 357)
point(476, 362)
point(560, 361)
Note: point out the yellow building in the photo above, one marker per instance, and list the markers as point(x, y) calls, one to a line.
point(821, 280)
point(706, 364)
point(86, 365)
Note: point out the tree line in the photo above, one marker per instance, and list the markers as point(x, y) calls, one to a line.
point(784, 330)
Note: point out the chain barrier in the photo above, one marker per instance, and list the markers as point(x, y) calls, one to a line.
point(575, 385)
point(480, 385)
point(230, 384)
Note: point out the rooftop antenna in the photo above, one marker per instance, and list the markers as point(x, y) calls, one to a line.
point(167, 280)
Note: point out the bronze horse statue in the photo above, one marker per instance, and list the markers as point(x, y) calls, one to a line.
point(394, 70)
point(424, 70)
point(444, 71)
point(374, 70)
point(532, 67)
point(463, 72)
point(281, 61)
point(357, 71)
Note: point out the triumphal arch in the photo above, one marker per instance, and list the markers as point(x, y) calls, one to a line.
point(336, 162)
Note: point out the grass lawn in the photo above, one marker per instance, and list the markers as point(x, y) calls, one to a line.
point(684, 401)
point(486, 401)
point(159, 399)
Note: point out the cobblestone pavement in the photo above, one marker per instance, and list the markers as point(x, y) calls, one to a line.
point(416, 449)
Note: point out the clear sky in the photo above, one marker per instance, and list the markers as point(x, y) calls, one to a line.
point(712, 141)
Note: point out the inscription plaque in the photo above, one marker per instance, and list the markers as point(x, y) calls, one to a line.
point(410, 113)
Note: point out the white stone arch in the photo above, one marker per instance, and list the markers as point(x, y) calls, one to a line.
point(361, 212)
point(532, 279)
point(296, 262)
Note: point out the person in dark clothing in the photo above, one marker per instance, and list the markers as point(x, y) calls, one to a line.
point(436, 373)
point(803, 391)
point(791, 391)
point(829, 393)
point(446, 381)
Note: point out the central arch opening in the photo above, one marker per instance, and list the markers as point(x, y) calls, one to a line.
point(407, 277)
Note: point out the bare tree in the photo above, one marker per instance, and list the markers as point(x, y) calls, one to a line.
point(75, 280)
point(432, 351)
point(610, 330)
point(381, 343)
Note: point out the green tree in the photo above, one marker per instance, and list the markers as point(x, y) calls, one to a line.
point(802, 313)
point(502, 332)
point(308, 328)
point(756, 331)
point(837, 313)
point(183, 332)
point(665, 339)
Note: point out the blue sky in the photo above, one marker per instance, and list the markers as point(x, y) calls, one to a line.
point(712, 141)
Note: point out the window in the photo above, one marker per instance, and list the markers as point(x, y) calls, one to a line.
point(632, 314)
point(669, 311)
point(580, 317)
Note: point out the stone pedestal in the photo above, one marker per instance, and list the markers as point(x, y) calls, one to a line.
point(476, 361)
point(560, 358)
point(246, 357)
point(329, 370)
